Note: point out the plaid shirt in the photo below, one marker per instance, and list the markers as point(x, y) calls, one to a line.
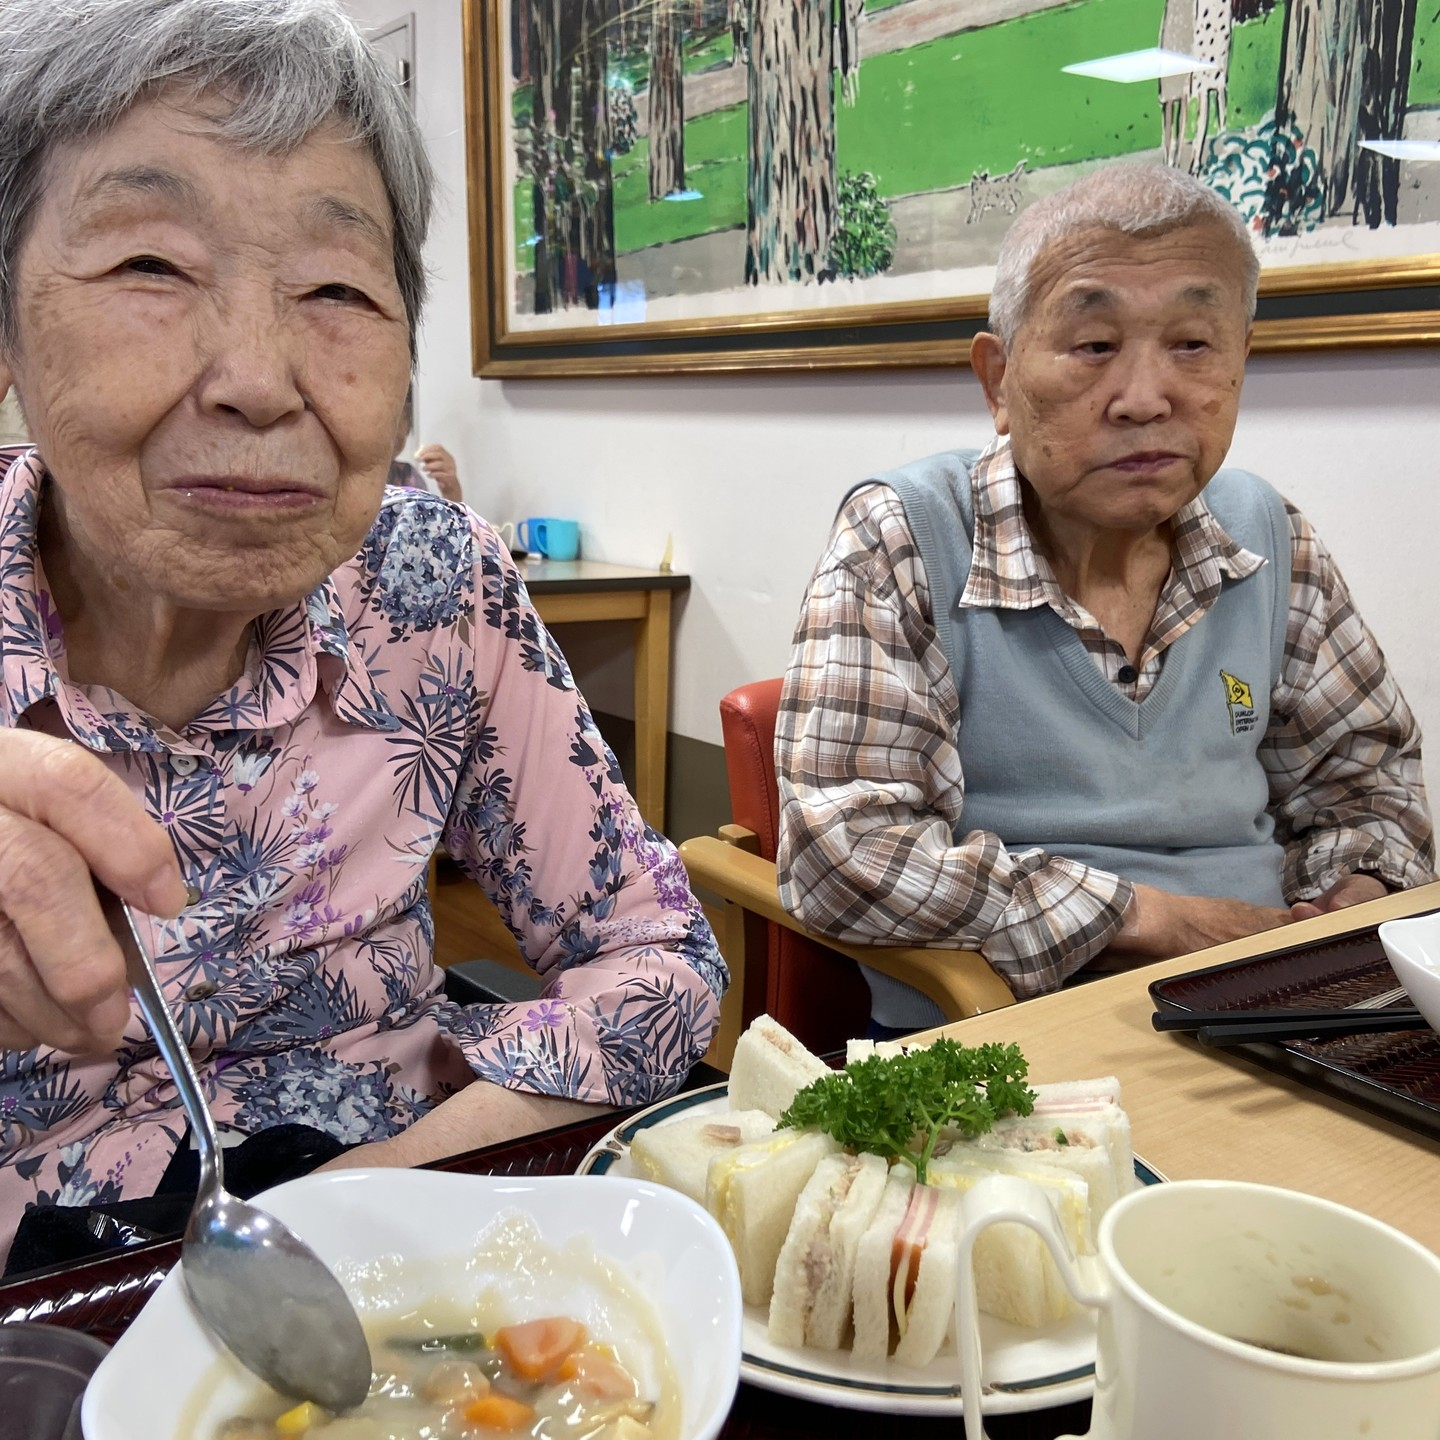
point(870, 777)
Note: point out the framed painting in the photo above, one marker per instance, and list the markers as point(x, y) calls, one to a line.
point(730, 185)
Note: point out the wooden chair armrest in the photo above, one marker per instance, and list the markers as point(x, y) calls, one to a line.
point(960, 982)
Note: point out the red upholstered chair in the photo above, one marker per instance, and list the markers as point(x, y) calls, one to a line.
point(810, 985)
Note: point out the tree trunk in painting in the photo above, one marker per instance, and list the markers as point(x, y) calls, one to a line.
point(791, 179)
point(667, 101)
point(569, 161)
point(1320, 87)
point(1389, 33)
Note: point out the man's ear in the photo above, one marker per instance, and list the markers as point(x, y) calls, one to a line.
point(988, 360)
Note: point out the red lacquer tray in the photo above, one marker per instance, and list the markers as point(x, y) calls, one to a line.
point(1397, 1075)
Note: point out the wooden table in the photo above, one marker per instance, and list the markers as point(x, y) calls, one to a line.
point(1204, 1114)
point(568, 591)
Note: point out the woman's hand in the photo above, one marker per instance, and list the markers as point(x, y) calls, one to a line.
point(480, 1114)
point(1160, 925)
point(62, 815)
point(439, 464)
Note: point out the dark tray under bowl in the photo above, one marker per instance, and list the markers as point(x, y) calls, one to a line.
point(1396, 1075)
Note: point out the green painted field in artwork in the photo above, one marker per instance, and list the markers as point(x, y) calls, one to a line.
point(929, 116)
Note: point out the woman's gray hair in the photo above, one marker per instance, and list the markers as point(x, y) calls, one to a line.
point(1135, 199)
point(70, 69)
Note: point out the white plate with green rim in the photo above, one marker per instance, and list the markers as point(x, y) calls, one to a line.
point(1026, 1369)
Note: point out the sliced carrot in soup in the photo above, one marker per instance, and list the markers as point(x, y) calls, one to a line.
point(498, 1412)
point(597, 1375)
point(536, 1349)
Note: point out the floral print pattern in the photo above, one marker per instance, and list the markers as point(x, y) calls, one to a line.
point(413, 700)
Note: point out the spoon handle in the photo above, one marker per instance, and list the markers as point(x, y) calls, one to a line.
point(151, 999)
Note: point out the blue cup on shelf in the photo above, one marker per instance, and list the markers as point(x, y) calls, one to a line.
point(552, 538)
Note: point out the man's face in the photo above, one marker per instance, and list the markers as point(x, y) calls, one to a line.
point(1120, 390)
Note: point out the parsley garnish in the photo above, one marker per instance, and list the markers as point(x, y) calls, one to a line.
point(897, 1106)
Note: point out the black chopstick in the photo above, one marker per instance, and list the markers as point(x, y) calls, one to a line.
point(1249, 1027)
point(1359, 1019)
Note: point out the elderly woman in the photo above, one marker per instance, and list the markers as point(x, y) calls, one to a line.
point(243, 684)
point(1084, 699)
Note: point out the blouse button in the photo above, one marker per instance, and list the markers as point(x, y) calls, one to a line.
point(1127, 675)
point(201, 990)
point(184, 764)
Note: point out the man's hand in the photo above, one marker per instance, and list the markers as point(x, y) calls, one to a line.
point(480, 1114)
point(1160, 925)
point(1347, 890)
point(62, 815)
point(439, 464)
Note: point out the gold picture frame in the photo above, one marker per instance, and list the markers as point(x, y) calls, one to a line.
point(1387, 300)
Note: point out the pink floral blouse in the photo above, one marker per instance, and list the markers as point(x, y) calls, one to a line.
point(413, 699)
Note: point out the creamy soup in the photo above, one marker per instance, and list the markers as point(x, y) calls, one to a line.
point(517, 1339)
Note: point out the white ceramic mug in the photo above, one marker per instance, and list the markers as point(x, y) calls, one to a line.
point(1235, 1310)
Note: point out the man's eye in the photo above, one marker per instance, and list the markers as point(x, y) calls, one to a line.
point(149, 265)
point(1193, 347)
point(1095, 347)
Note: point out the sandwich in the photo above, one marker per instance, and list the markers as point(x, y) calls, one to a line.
point(752, 1191)
point(1093, 1107)
point(904, 1289)
point(1016, 1278)
point(815, 1272)
point(1085, 1146)
point(923, 1286)
point(875, 1263)
point(678, 1153)
point(858, 1050)
point(770, 1067)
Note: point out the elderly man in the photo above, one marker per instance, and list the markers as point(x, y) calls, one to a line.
point(1084, 699)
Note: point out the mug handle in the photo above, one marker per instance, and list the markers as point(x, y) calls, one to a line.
point(997, 1198)
point(522, 535)
point(542, 539)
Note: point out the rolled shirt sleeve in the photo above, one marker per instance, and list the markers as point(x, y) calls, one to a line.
point(1343, 749)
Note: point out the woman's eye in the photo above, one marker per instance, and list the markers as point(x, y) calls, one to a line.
point(1095, 347)
point(1193, 347)
point(346, 294)
point(149, 265)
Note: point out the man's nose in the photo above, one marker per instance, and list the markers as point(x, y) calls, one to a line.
point(1143, 380)
point(252, 364)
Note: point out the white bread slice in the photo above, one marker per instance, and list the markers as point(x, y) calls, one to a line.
point(1096, 1101)
point(678, 1153)
point(874, 1264)
point(925, 1321)
point(815, 1274)
point(1015, 1277)
point(858, 1050)
point(1077, 1148)
point(769, 1067)
point(752, 1192)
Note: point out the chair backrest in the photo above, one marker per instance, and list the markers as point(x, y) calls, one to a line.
point(815, 993)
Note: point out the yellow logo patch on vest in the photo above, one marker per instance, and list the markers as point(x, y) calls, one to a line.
point(1239, 702)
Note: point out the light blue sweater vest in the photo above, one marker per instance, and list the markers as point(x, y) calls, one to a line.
point(1169, 792)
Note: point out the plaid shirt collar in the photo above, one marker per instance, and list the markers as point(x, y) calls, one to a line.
point(1007, 572)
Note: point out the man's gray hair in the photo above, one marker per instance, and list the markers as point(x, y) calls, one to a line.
point(70, 69)
point(1135, 199)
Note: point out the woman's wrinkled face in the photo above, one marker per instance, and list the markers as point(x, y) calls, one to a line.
point(211, 353)
point(1121, 388)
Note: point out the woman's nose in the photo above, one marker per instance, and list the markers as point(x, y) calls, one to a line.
point(252, 367)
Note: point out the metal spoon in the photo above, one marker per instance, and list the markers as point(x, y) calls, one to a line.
point(265, 1293)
